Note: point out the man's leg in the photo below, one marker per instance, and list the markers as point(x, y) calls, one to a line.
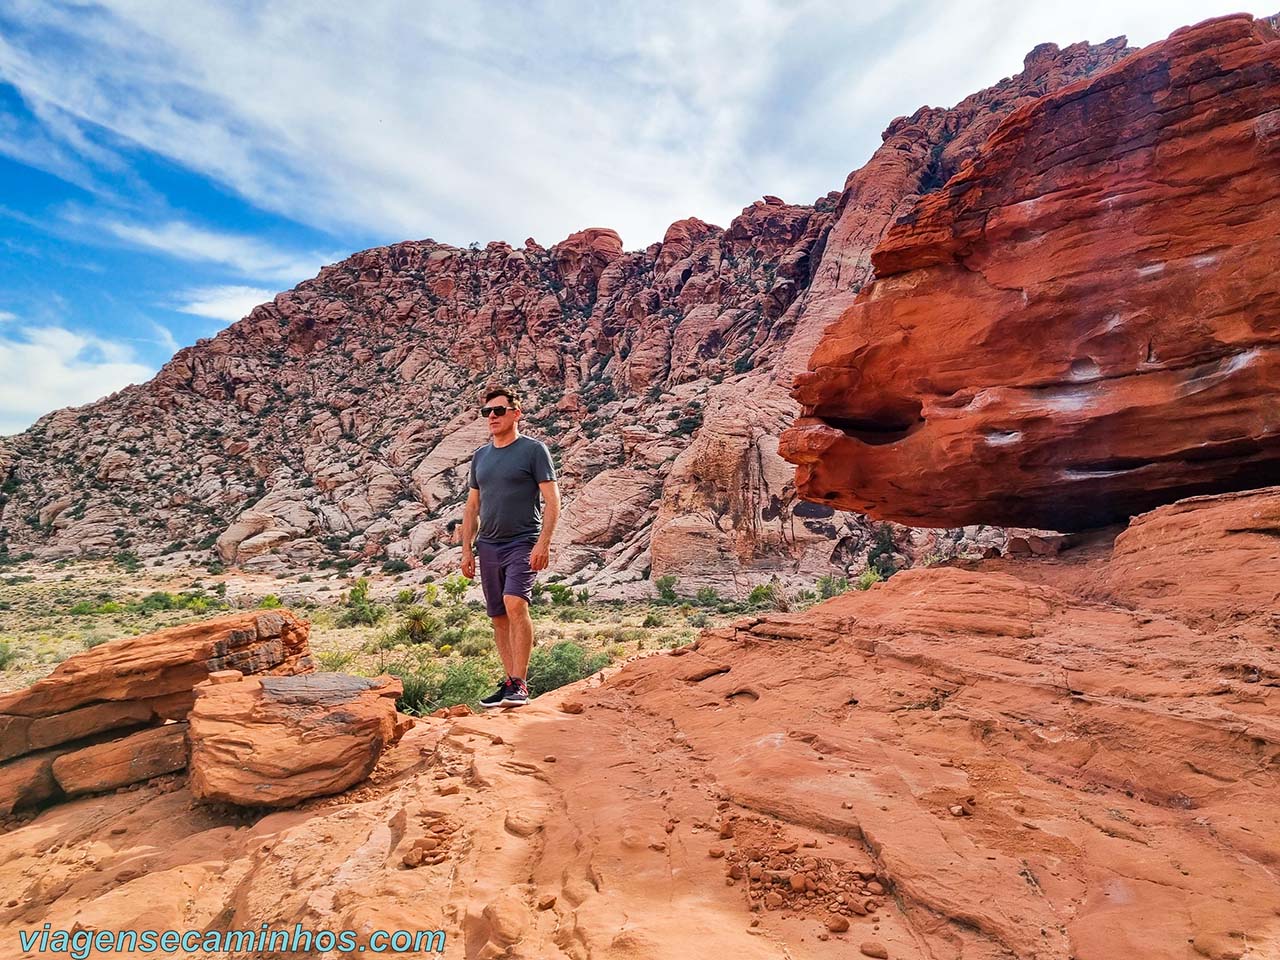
point(520, 634)
point(502, 640)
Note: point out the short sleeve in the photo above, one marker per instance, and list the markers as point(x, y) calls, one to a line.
point(473, 484)
point(543, 468)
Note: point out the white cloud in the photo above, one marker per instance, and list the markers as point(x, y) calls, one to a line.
point(165, 337)
point(243, 254)
point(5, 316)
point(45, 368)
point(491, 121)
point(227, 303)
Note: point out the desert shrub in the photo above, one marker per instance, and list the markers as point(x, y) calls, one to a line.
point(565, 662)
point(463, 680)
point(879, 557)
point(708, 597)
point(652, 619)
point(829, 585)
point(270, 602)
point(128, 561)
point(406, 597)
point(455, 587)
point(457, 615)
point(8, 654)
point(335, 661)
point(561, 594)
point(396, 566)
point(666, 587)
point(867, 578)
point(421, 625)
point(159, 600)
point(360, 610)
point(584, 596)
point(83, 609)
point(698, 620)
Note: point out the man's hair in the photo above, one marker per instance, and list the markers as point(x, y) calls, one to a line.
point(507, 392)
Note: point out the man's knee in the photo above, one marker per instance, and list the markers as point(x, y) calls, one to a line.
point(516, 606)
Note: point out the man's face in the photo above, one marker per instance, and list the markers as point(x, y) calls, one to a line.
point(501, 413)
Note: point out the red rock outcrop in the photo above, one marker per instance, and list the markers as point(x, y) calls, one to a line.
point(1038, 759)
point(103, 718)
point(276, 741)
point(1081, 324)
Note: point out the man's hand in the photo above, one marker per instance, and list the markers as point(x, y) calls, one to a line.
point(540, 556)
point(469, 564)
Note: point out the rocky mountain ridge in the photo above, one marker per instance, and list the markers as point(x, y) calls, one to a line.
point(335, 423)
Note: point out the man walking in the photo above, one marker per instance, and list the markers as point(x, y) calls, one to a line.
point(508, 476)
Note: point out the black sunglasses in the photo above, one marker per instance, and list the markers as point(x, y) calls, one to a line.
point(496, 411)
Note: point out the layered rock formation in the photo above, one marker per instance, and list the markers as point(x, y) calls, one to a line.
point(275, 741)
point(337, 421)
point(1035, 759)
point(116, 713)
point(1082, 323)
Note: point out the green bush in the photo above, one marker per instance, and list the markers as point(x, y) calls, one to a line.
point(128, 560)
point(698, 620)
point(707, 597)
point(396, 566)
point(270, 602)
point(8, 654)
point(455, 587)
point(159, 600)
point(421, 625)
point(334, 661)
point(565, 662)
point(406, 597)
point(459, 681)
point(83, 609)
point(360, 610)
point(561, 594)
point(867, 578)
point(654, 620)
point(829, 585)
point(666, 587)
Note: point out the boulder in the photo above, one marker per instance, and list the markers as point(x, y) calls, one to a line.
point(276, 741)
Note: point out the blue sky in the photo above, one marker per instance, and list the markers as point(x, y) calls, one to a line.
point(164, 167)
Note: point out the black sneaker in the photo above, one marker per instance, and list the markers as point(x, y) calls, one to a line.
point(517, 693)
point(495, 699)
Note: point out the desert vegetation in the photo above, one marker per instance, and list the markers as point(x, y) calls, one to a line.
point(439, 643)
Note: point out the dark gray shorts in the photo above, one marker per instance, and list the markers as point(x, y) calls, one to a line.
point(504, 569)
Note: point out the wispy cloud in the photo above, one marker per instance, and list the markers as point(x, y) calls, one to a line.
point(226, 303)
point(6, 316)
point(165, 337)
point(243, 254)
point(44, 368)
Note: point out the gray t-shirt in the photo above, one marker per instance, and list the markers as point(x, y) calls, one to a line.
point(507, 478)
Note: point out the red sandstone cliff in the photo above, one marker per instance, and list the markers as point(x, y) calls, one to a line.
point(1083, 323)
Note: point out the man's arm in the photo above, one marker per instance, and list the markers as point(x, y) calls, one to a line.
point(541, 554)
point(470, 519)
